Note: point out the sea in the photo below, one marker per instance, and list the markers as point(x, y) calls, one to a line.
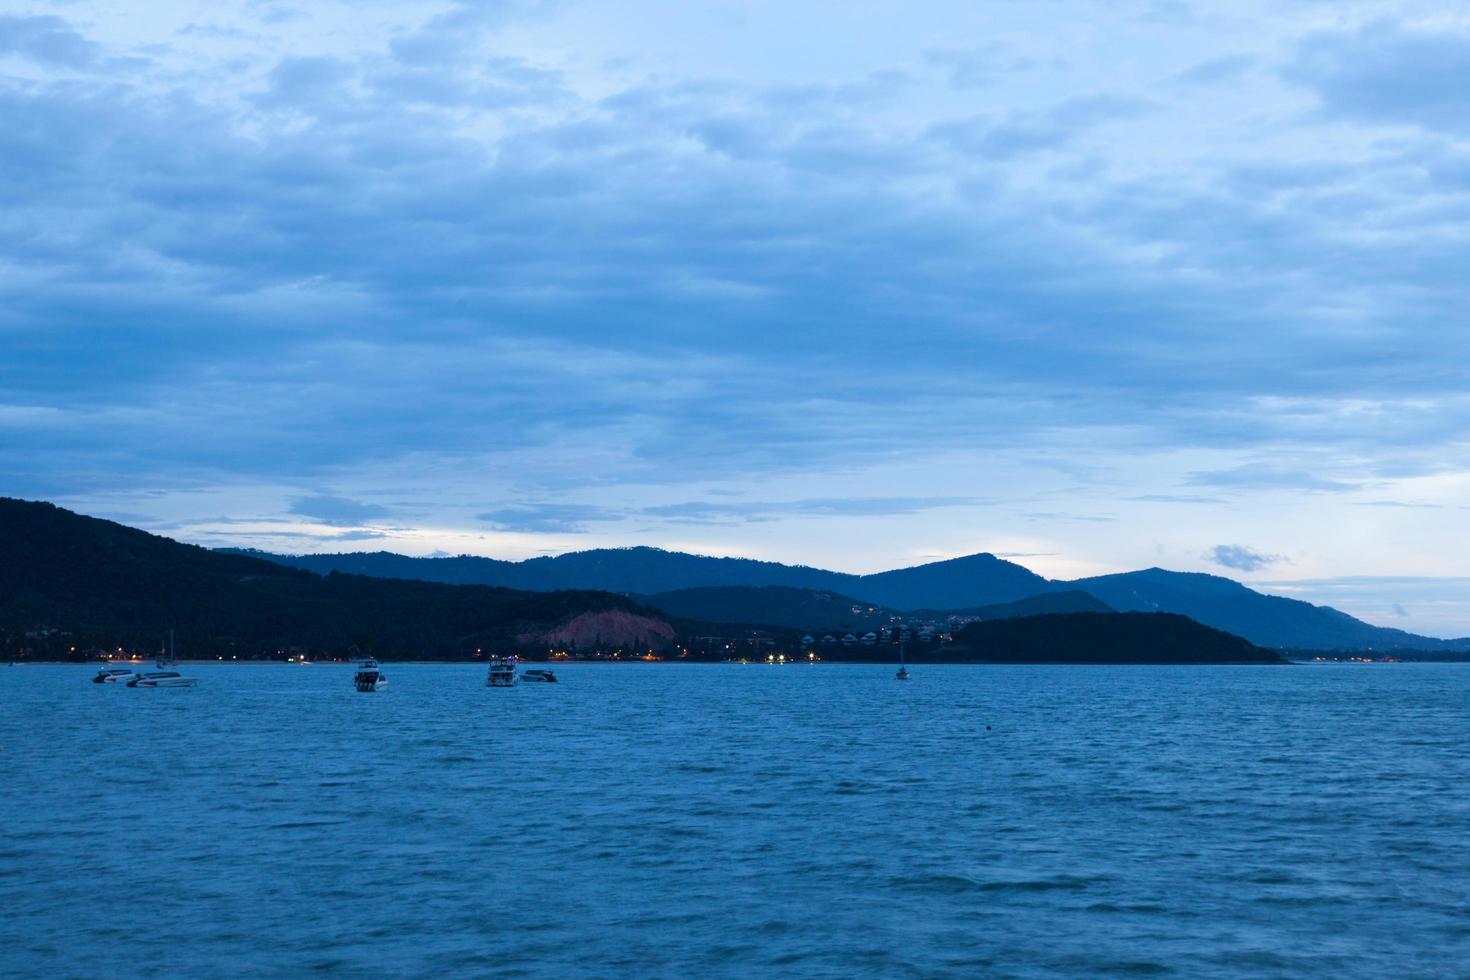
point(726, 820)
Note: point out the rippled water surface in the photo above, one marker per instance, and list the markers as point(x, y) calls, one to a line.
point(676, 820)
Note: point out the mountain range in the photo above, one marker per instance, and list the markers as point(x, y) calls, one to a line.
point(645, 571)
point(72, 586)
point(938, 588)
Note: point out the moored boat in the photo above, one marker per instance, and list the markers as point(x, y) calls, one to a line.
point(166, 659)
point(162, 678)
point(502, 672)
point(370, 677)
point(113, 675)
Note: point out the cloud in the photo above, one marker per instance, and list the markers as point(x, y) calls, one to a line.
point(48, 40)
point(337, 510)
point(311, 83)
point(453, 34)
point(1027, 133)
point(1388, 73)
point(716, 513)
point(356, 536)
point(547, 518)
point(1403, 504)
point(1267, 478)
point(971, 68)
point(1215, 70)
point(538, 258)
point(1242, 558)
point(1176, 498)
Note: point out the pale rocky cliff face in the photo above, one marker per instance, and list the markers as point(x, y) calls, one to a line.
point(612, 628)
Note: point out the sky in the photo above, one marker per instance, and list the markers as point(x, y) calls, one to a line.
point(861, 284)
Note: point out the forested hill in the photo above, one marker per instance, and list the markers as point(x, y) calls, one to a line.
point(1103, 638)
point(103, 584)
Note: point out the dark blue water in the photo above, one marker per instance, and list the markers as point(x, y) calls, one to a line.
point(724, 821)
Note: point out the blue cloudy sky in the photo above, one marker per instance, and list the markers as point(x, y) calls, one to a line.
point(859, 284)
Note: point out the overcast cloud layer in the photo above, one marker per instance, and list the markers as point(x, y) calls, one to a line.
point(853, 284)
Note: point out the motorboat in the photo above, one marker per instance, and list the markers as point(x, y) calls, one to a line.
point(113, 675)
point(538, 674)
point(502, 672)
point(162, 678)
point(370, 677)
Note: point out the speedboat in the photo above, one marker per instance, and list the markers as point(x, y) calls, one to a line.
point(370, 677)
point(538, 674)
point(502, 672)
point(162, 678)
point(113, 675)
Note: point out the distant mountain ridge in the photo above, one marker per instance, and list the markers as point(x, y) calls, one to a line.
point(957, 584)
point(981, 579)
point(1266, 619)
point(812, 610)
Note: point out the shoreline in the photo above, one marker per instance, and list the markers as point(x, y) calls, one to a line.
point(1286, 662)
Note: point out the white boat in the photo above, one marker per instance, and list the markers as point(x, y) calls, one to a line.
point(538, 674)
point(903, 668)
point(162, 678)
point(113, 675)
point(502, 672)
point(370, 677)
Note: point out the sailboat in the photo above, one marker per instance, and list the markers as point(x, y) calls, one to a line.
point(166, 659)
point(903, 669)
point(165, 675)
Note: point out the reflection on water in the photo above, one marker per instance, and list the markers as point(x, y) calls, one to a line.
point(668, 820)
